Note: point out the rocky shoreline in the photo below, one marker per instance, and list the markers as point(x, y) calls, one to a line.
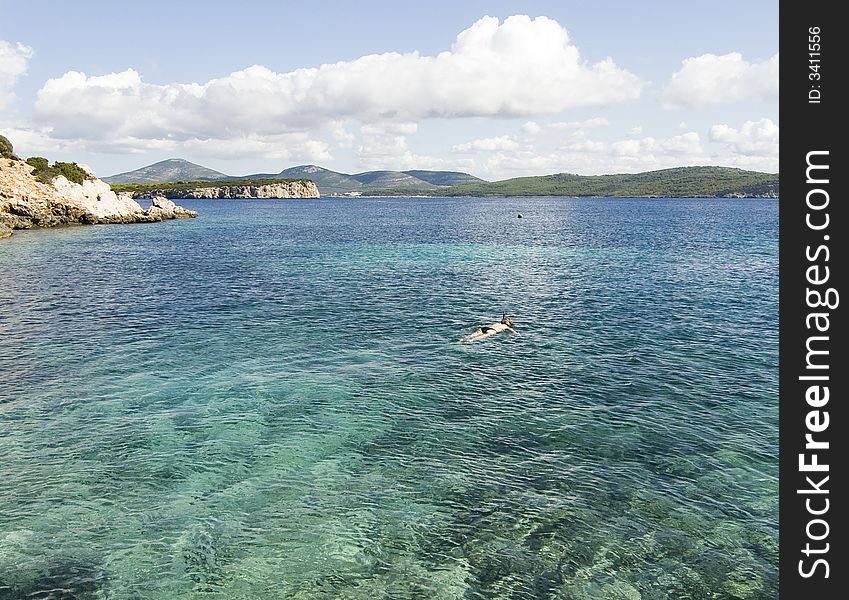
point(284, 189)
point(26, 203)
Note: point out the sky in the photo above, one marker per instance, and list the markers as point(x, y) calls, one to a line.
point(496, 89)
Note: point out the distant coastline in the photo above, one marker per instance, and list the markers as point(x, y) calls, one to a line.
point(682, 182)
point(622, 197)
point(235, 188)
point(174, 177)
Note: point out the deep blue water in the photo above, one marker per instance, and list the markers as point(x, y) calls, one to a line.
point(272, 401)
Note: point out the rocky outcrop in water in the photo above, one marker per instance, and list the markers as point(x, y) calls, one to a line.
point(162, 209)
point(284, 189)
point(26, 202)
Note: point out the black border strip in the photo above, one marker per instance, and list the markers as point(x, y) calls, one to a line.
point(813, 116)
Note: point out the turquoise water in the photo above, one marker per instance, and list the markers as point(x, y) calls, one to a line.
point(271, 401)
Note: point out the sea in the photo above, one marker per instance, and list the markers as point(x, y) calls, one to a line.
point(274, 401)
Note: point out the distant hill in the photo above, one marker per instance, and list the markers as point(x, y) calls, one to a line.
point(173, 169)
point(222, 188)
point(370, 182)
point(379, 180)
point(444, 177)
point(328, 182)
point(677, 182)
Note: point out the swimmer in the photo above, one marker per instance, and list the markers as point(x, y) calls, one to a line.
point(506, 324)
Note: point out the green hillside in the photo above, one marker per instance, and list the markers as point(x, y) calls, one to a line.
point(678, 182)
point(173, 169)
point(191, 185)
point(377, 180)
point(328, 182)
point(443, 177)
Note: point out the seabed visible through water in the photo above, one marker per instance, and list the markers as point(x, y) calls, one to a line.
point(270, 401)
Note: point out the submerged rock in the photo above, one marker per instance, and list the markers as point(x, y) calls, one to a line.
point(68, 579)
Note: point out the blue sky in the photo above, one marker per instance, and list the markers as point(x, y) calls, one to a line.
point(590, 88)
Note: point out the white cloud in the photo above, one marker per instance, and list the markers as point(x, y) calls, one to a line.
point(711, 79)
point(687, 146)
point(28, 140)
point(380, 150)
point(343, 137)
point(518, 67)
point(389, 129)
point(531, 128)
point(581, 125)
point(503, 142)
point(297, 147)
point(293, 147)
point(391, 151)
point(592, 157)
point(13, 64)
point(754, 138)
point(629, 147)
point(385, 146)
point(754, 146)
point(582, 145)
point(501, 165)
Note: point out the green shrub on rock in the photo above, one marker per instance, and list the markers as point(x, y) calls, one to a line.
point(42, 170)
point(44, 173)
point(6, 150)
point(72, 172)
point(39, 162)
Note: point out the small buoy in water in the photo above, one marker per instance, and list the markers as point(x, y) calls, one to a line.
point(520, 216)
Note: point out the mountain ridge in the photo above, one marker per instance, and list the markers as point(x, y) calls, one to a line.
point(675, 182)
point(170, 169)
point(705, 181)
point(329, 182)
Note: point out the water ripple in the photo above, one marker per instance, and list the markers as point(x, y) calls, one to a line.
point(272, 401)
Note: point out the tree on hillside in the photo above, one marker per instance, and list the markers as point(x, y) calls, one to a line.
point(6, 150)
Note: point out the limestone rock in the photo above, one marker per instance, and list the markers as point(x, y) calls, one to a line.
point(26, 202)
point(163, 203)
point(162, 208)
point(285, 189)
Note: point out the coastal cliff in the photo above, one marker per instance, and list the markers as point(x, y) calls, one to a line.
point(26, 202)
point(301, 188)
